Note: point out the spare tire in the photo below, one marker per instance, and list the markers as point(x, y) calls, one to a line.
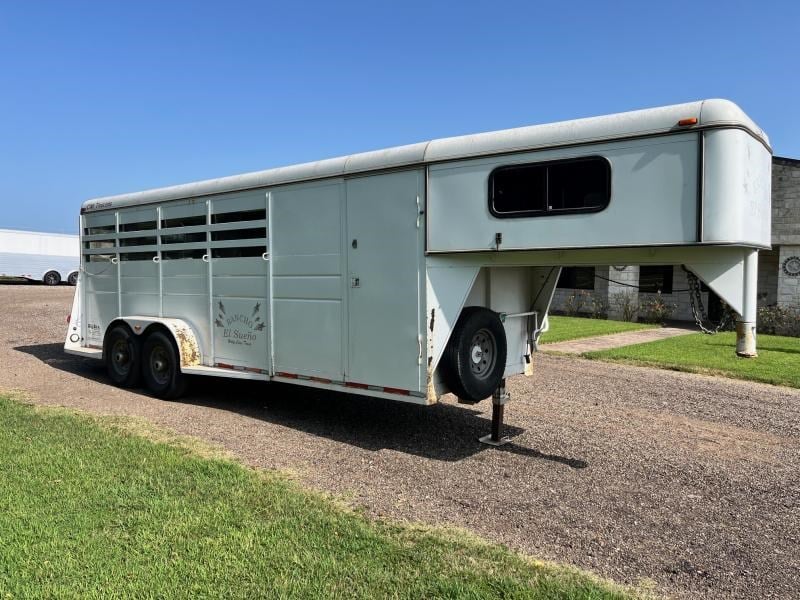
point(475, 357)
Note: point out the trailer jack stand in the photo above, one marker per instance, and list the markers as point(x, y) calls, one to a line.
point(499, 399)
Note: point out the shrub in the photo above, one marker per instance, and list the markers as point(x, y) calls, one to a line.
point(576, 302)
point(583, 303)
point(654, 310)
point(626, 305)
point(599, 306)
point(779, 320)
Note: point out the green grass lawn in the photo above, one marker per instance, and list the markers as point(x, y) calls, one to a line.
point(90, 510)
point(573, 328)
point(778, 359)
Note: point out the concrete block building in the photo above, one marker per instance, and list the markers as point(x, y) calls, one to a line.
point(621, 288)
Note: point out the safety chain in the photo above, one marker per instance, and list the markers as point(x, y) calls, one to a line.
point(699, 311)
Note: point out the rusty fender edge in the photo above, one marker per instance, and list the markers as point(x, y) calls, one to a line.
point(185, 338)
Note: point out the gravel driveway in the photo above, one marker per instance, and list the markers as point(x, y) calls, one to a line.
point(686, 480)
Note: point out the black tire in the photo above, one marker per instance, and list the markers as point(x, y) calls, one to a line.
point(73, 278)
point(475, 357)
point(51, 278)
point(161, 367)
point(122, 350)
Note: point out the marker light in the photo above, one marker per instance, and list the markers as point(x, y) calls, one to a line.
point(685, 122)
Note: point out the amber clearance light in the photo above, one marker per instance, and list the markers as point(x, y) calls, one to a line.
point(689, 121)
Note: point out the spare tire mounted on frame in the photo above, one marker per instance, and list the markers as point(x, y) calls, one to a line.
point(475, 357)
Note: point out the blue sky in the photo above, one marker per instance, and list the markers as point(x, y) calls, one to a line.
point(98, 98)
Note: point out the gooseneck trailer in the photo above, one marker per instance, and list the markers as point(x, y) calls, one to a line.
point(51, 258)
point(414, 271)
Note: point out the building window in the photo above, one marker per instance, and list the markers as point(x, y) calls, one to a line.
point(653, 279)
point(576, 278)
point(559, 187)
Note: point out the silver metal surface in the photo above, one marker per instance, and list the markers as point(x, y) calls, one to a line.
point(647, 122)
point(383, 323)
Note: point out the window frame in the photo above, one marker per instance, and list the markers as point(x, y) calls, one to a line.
point(662, 271)
point(571, 273)
point(546, 165)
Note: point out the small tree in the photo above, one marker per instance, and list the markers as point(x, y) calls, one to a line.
point(625, 305)
point(599, 306)
point(576, 302)
point(655, 310)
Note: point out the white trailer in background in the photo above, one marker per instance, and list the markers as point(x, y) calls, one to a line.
point(51, 258)
point(410, 272)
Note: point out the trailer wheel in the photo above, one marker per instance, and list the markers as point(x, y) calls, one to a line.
point(73, 278)
point(122, 352)
point(475, 358)
point(161, 366)
point(51, 278)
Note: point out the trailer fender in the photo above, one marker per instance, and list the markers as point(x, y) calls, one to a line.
point(183, 334)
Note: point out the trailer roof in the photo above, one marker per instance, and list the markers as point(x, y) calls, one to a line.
point(651, 121)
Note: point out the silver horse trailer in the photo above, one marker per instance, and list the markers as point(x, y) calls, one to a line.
point(413, 271)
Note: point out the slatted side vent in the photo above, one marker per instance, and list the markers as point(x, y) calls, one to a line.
point(238, 232)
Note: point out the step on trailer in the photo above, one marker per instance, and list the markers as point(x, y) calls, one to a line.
point(414, 271)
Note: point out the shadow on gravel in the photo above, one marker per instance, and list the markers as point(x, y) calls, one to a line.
point(444, 432)
point(11, 281)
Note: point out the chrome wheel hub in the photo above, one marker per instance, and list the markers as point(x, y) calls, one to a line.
point(483, 353)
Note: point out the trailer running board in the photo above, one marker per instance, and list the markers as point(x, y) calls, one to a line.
point(225, 372)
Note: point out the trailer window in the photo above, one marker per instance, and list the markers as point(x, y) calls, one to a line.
point(559, 187)
point(183, 238)
point(137, 256)
point(183, 221)
point(98, 257)
point(140, 226)
point(99, 244)
point(183, 254)
point(138, 241)
point(238, 234)
point(240, 215)
point(245, 252)
point(98, 229)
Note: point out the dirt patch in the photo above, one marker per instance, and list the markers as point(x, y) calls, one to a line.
point(687, 480)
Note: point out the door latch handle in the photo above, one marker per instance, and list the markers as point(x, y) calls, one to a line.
point(355, 282)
